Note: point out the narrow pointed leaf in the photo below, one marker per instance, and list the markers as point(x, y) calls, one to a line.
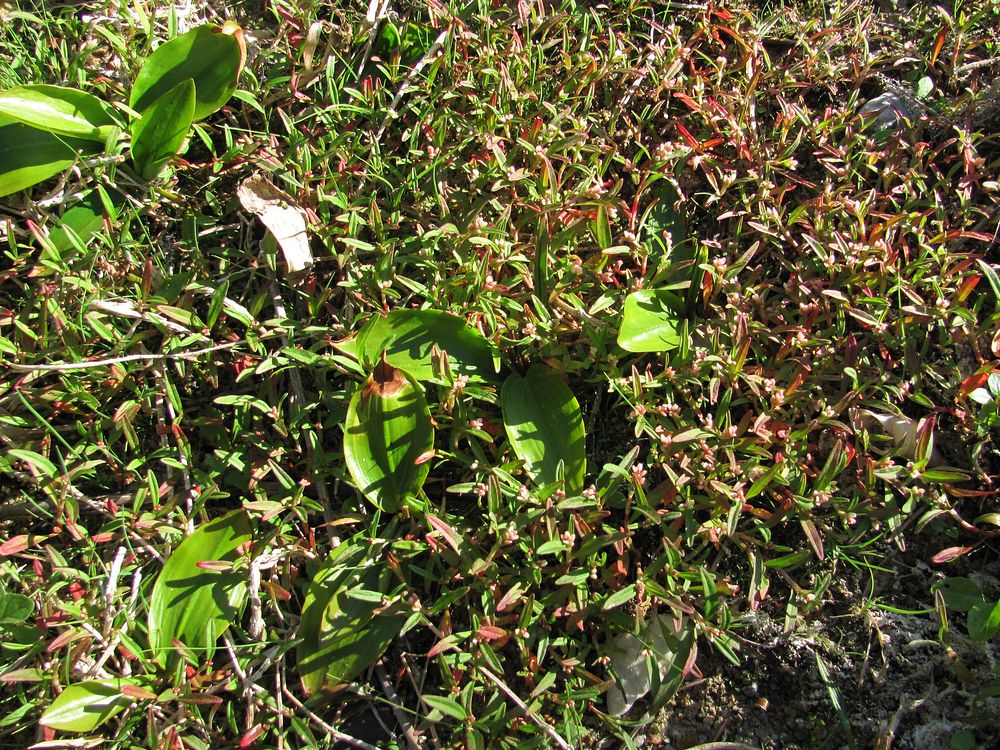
point(86, 705)
point(59, 110)
point(160, 133)
point(342, 635)
point(29, 155)
point(407, 337)
point(191, 604)
point(651, 321)
point(545, 427)
point(209, 55)
point(388, 428)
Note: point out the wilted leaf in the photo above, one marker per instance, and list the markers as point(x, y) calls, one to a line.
point(86, 705)
point(387, 429)
point(206, 55)
point(545, 427)
point(408, 336)
point(192, 605)
point(283, 217)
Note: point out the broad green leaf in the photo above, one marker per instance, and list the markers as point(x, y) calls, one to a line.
point(195, 605)
point(388, 428)
point(59, 110)
point(545, 427)
point(85, 219)
point(15, 608)
point(30, 155)
point(342, 635)
point(984, 620)
point(651, 321)
point(407, 337)
point(209, 55)
point(86, 705)
point(960, 594)
point(161, 131)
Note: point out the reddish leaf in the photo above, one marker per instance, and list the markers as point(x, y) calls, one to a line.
point(949, 554)
point(487, 633)
point(449, 534)
point(971, 383)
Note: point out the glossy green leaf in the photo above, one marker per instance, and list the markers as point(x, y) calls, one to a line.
point(407, 337)
point(161, 131)
point(15, 608)
point(342, 635)
point(193, 604)
point(86, 705)
point(651, 321)
point(30, 155)
point(59, 110)
point(545, 427)
point(206, 55)
point(388, 428)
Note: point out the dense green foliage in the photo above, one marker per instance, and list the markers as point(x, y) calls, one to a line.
point(612, 312)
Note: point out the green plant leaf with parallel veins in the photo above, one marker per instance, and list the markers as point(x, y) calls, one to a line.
point(161, 131)
point(651, 321)
point(15, 608)
point(59, 110)
point(342, 634)
point(545, 427)
point(387, 434)
point(192, 604)
point(209, 55)
point(86, 705)
point(30, 155)
point(407, 337)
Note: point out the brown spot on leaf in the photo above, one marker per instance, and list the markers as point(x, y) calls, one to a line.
point(386, 381)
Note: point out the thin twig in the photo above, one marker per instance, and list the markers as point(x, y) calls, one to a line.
point(335, 734)
point(408, 732)
point(545, 727)
point(66, 366)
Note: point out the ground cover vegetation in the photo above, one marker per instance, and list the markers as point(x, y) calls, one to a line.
point(497, 374)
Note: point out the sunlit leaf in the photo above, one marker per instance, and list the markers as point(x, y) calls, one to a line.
point(387, 430)
point(59, 110)
point(408, 336)
point(161, 131)
point(651, 321)
point(209, 55)
point(545, 427)
point(15, 608)
point(86, 705)
point(194, 605)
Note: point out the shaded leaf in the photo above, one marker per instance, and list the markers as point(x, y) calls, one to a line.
point(984, 620)
point(209, 55)
point(407, 337)
point(545, 427)
point(86, 705)
point(190, 604)
point(15, 608)
point(342, 635)
point(59, 110)
point(387, 430)
point(30, 155)
point(960, 594)
point(161, 131)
